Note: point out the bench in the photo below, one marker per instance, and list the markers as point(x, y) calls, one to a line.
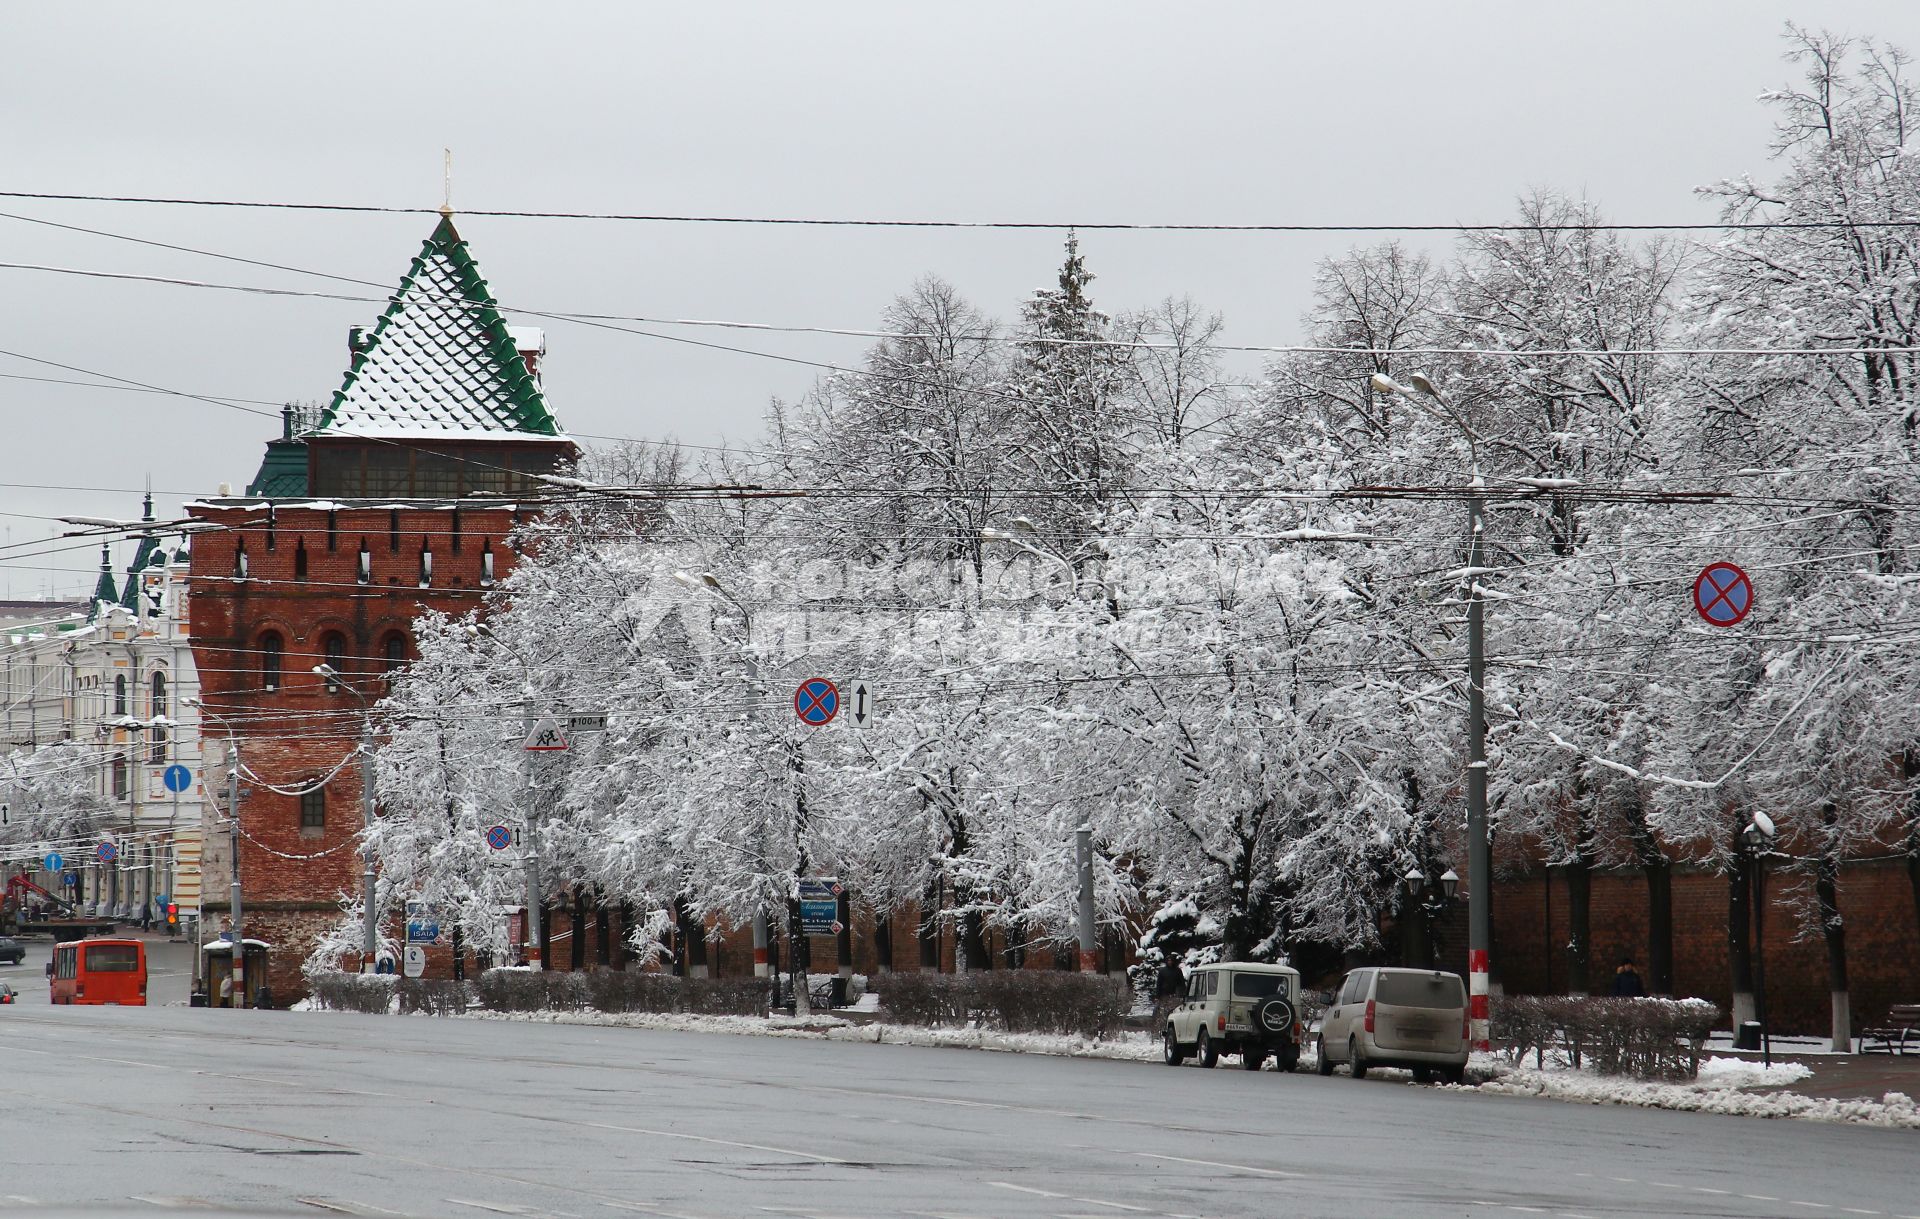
point(1900, 1034)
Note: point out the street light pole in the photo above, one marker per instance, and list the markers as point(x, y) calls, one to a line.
point(1759, 836)
point(1479, 849)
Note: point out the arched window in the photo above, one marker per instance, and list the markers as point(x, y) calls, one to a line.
point(300, 559)
point(119, 693)
point(158, 755)
point(313, 810)
point(272, 648)
point(158, 706)
point(119, 778)
point(393, 652)
point(333, 645)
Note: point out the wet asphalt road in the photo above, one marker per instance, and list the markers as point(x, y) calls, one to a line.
point(325, 1112)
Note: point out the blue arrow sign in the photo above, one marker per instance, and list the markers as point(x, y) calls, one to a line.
point(53, 861)
point(178, 778)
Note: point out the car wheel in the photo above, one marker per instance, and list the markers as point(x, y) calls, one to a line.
point(1170, 1048)
point(1421, 1075)
point(1205, 1050)
point(1253, 1060)
point(1287, 1059)
point(1325, 1065)
point(1355, 1063)
point(1454, 1075)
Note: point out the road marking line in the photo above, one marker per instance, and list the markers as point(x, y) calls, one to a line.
point(1760, 1197)
point(1854, 1210)
point(1725, 1193)
point(1820, 1206)
point(1665, 1185)
point(509, 1208)
point(1572, 1215)
point(345, 1207)
point(1268, 1172)
point(1028, 1189)
point(701, 1138)
point(175, 1202)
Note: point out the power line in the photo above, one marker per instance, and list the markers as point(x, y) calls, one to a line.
point(906, 223)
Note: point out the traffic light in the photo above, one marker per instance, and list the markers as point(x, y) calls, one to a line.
point(173, 915)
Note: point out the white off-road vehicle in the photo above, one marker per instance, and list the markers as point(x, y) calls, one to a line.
point(1237, 1007)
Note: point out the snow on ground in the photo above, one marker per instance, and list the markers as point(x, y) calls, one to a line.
point(1720, 1088)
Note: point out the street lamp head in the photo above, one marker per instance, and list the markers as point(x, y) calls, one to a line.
point(1759, 833)
point(1449, 883)
point(326, 671)
point(1383, 384)
point(1425, 386)
point(1415, 879)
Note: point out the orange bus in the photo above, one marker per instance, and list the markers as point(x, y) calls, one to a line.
point(99, 971)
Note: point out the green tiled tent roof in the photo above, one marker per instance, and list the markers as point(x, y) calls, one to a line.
point(440, 362)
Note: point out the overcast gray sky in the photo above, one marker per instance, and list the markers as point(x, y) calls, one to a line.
point(1396, 111)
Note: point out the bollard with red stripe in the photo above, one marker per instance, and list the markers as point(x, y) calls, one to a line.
point(1477, 997)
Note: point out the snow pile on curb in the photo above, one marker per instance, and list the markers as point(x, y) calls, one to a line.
point(1717, 1091)
point(1133, 1048)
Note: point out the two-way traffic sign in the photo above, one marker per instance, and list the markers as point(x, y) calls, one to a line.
point(860, 703)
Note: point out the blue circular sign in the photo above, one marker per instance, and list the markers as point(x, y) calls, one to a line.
point(499, 837)
point(1723, 594)
point(178, 778)
point(107, 852)
point(817, 701)
point(54, 862)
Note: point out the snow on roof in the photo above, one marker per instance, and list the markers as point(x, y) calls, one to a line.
point(220, 945)
point(440, 362)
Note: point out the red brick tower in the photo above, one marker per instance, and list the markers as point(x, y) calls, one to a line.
point(397, 499)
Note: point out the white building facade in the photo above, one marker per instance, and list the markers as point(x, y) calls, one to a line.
point(98, 709)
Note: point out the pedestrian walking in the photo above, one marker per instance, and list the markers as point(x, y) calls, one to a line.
point(1626, 980)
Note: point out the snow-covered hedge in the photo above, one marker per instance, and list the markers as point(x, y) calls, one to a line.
point(1644, 1038)
point(526, 990)
point(1018, 1001)
point(350, 992)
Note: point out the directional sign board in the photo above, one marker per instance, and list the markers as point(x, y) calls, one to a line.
point(1723, 594)
point(816, 702)
point(178, 778)
point(546, 737)
point(423, 926)
point(820, 906)
point(499, 837)
point(860, 703)
point(53, 861)
point(107, 852)
point(413, 960)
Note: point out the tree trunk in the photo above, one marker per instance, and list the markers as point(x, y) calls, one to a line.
point(603, 925)
point(1826, 886)
point(624, 954)
point(1579, 874)
point(459, 955)
point(883, 940)
point(545, 936)
point(1740, 935)
point(930, 926)
point(693, 941)
point(1658, 869)
point(577, 933)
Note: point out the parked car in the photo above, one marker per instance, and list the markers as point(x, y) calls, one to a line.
point(6, 993)
point(12, 951)
point(1236, 1007)
point(1397, 1018)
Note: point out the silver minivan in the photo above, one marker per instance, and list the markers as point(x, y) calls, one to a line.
point(1397, 1018)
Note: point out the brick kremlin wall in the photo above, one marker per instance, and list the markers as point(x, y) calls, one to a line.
point(1883, 943)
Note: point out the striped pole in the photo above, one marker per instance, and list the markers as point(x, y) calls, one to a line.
point(760, 943)
point(1477, 997)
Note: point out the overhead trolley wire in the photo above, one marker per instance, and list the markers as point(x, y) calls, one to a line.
point(926, 223)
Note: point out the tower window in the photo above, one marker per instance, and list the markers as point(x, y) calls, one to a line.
point(313, 809)
point(120, 694)
point(272, 651)
point(334, 647)
point(300, 559)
